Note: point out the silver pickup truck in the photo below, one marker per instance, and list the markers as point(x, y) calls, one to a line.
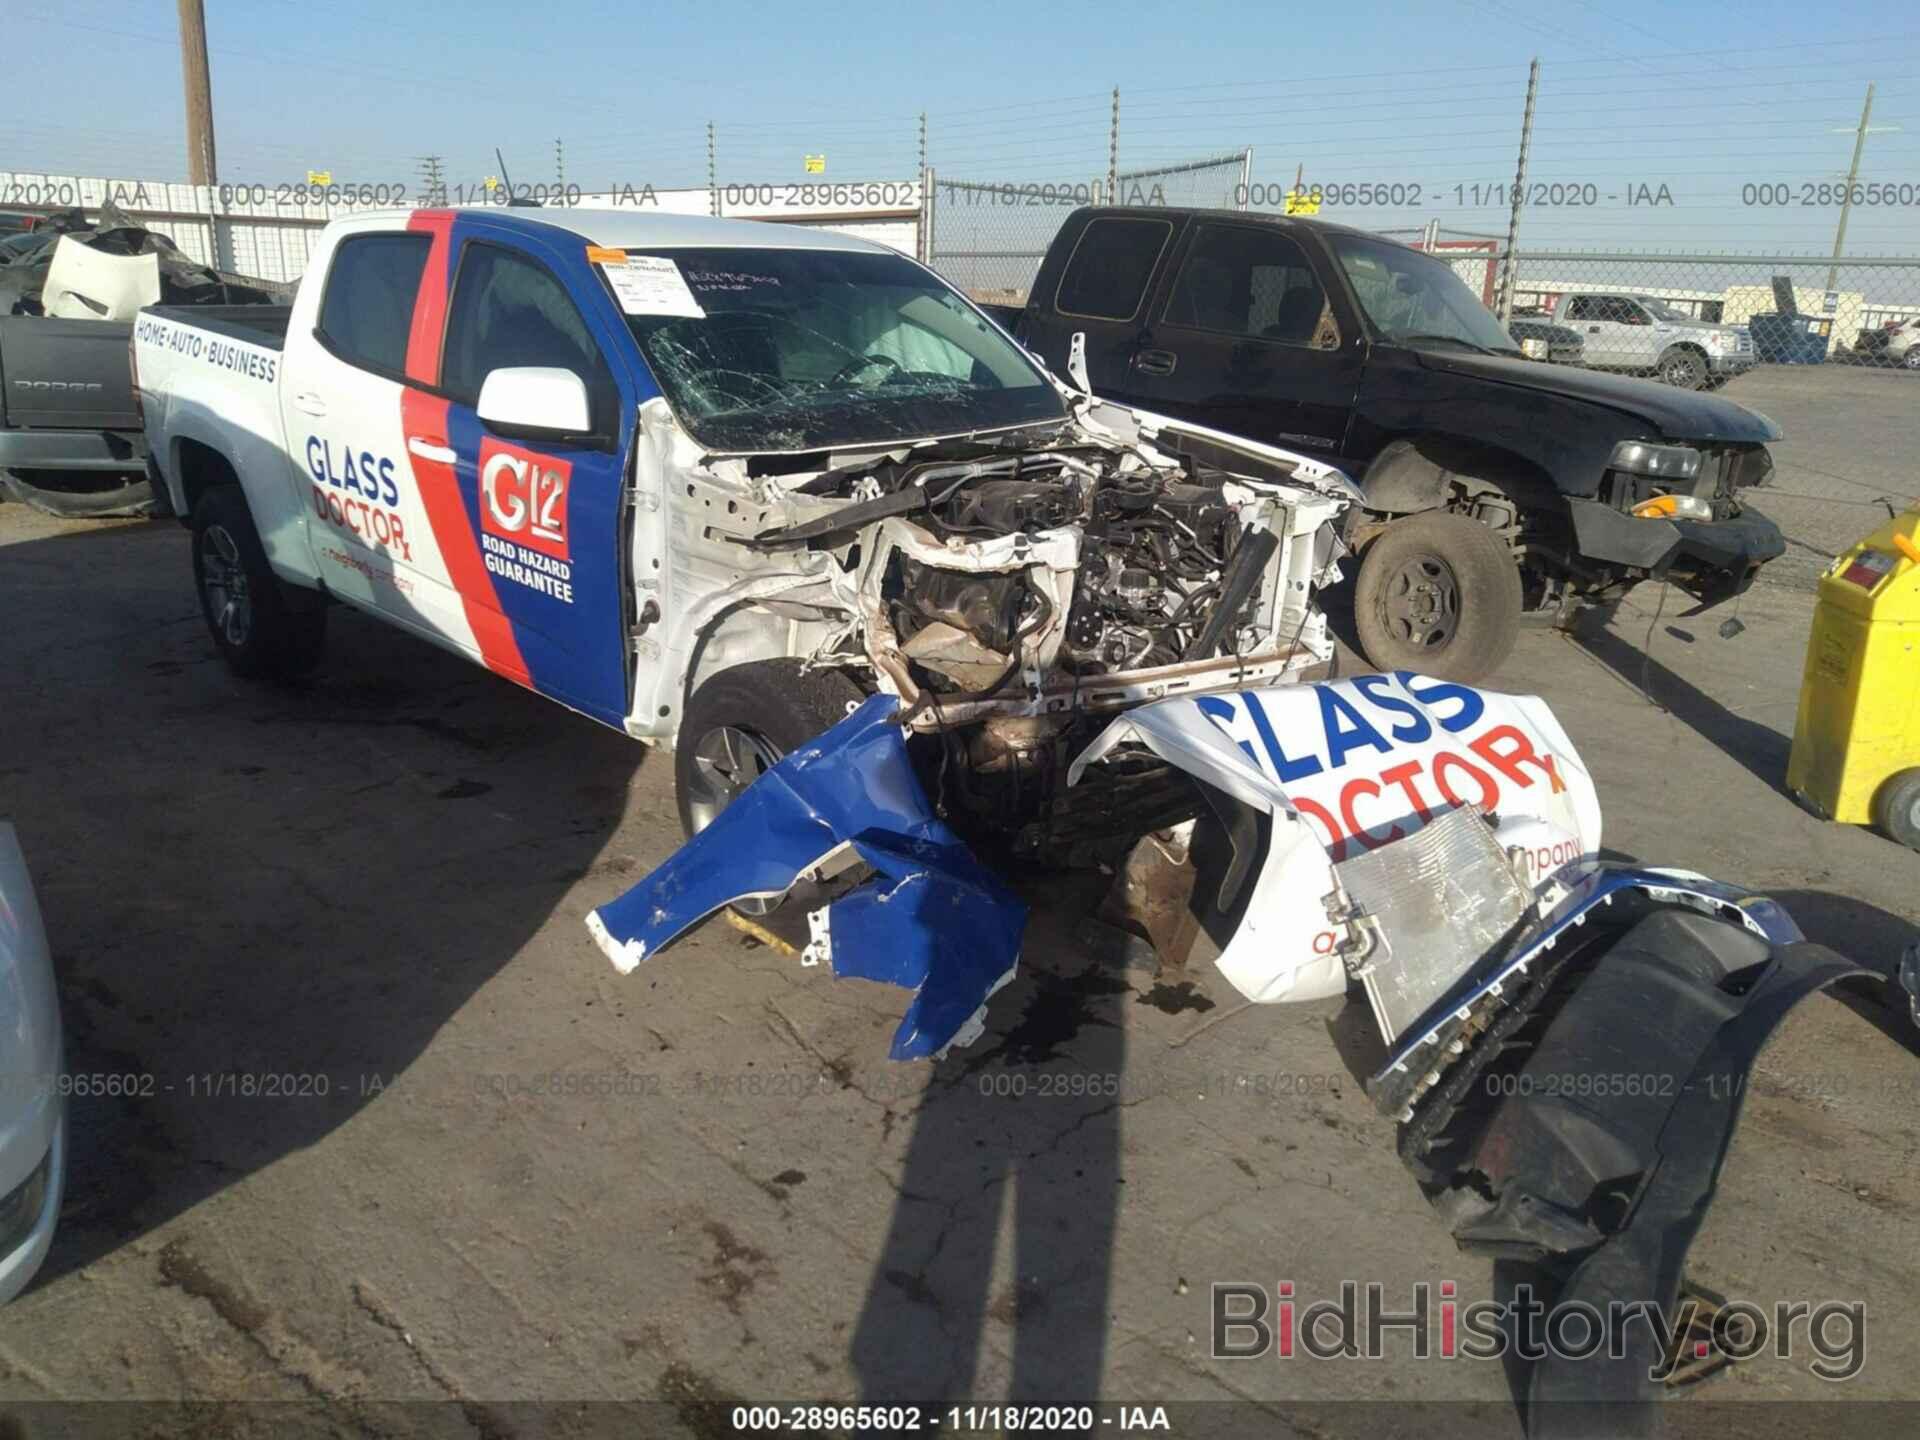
point(1646, 335)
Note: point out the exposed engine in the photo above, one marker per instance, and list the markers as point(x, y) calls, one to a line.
point(1015, 591)
point(1167, 568)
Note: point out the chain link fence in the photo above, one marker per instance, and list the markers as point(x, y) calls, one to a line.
point(988, 238)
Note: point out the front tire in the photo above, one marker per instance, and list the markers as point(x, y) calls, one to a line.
point(258, 630)
point(739, 724)
point(1683, 369)
point(737, 727)
point(1439, 594)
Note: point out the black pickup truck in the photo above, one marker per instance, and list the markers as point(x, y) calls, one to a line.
point(1495, 485)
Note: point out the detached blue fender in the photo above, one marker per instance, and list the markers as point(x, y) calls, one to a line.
point(931, 918)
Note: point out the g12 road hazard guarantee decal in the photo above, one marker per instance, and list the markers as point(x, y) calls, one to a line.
point(523, 518)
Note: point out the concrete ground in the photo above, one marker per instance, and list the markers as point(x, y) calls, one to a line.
point(401, 1133)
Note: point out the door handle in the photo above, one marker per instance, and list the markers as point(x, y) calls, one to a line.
point(1155, 362)
point(1593, 329)
point(310, 403)
point(435, 450)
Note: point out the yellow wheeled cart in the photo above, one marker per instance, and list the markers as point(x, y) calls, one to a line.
point(1856, 743)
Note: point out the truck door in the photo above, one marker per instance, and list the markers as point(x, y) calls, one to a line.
point(1103, 294)
point(1247, 341)
point(1615, 330)
point(367, 517)
point(531, 523)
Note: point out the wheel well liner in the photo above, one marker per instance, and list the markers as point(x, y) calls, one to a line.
point(1421, 473)
point(199, 467)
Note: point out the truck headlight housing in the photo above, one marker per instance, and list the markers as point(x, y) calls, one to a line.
point(1668, 462)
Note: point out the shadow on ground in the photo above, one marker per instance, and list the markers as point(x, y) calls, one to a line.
point(263, 903)
point(1760, 749)
point(1006, 1131)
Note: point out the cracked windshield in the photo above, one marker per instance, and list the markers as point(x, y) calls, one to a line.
point(806, 350)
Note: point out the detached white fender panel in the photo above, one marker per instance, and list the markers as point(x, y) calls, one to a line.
point(1347, 766)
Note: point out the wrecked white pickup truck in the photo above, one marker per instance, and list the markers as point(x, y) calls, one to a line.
point(714, 482)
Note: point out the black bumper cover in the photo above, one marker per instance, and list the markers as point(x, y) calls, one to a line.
point(1604, 1182)
point(1717, 558)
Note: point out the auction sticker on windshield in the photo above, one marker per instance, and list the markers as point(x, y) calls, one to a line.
point(646, 284)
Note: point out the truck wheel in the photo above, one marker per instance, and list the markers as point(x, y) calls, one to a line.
point(1437, 593)
point(1896, 809)
point(1912, 358)
point(1683, 368)
point(257, 629)
point(739, 724)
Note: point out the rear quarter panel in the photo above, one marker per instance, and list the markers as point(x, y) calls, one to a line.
point(204, 387)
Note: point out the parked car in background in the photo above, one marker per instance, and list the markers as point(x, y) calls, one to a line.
point(1539, 338)
point(1492, 484)
point(1902, 344)
point(1645, 335)
point(33, 1127)
point(70, 436)
point(13, 221)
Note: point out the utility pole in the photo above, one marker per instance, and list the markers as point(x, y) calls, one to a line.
point(713, 182)
point(433, 185)
point(201, 169)
point(560, 163)
point(1113, 149)
point(929, 188)
point(1505, 297)
point(1846, 200)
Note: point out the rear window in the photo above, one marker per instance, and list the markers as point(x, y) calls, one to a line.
point(1107, 276)
point(367, 310)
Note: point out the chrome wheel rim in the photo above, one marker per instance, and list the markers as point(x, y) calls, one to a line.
point(726, 760)
point(223, 587)
point(1421, 604)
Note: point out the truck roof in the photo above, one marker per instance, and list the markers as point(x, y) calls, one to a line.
point(1256, 217)
point(629, 227)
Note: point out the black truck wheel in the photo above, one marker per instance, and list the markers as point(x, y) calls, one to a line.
point(1896, 809)
point(260, 632)
point(1437, 593)
point(1683, 368)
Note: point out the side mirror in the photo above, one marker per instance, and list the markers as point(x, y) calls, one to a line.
point(535, 400)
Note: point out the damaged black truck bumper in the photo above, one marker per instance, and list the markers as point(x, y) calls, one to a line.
point(1585, 1126)
point(1713, 558)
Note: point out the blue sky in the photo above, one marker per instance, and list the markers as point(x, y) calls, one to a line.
point(1703, 99)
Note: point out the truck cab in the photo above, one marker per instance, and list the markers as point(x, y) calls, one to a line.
point(1494, 485)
